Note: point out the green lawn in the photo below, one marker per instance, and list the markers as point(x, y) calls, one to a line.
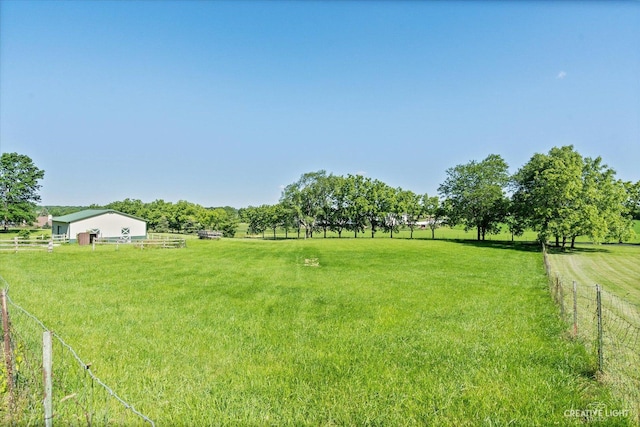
point(381, 332)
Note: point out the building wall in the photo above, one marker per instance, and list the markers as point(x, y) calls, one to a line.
point(59, 228)
point(110, 226)
point(41, 221)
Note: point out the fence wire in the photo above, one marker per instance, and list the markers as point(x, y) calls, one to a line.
point(616, 352)
point(79, 397)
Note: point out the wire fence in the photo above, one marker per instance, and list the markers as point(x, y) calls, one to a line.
point(609, 328)
point(77, 397)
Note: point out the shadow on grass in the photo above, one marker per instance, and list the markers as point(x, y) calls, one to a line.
point(508, 245)
point(579, 248)
point(525, 246)
point(536, 247)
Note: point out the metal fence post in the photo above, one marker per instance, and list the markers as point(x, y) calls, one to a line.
point(575, 309)
point(561, 296)
point(558, 295)
point(599, 317)
point(8, 356)
point(47, 363)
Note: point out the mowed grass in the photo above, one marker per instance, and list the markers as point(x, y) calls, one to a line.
point(615, 267)
point(381, 332)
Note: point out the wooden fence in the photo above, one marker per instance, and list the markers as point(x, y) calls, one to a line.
point(161, 243)
point(59, 238)
point(208, 234)
point(17, 245)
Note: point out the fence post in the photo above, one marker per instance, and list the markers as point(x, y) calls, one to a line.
point(15, 241)
point(599, 316)
point(575, 309)
point(47, 363)
point(8, 356)
point(562, 310)
point(559, 294)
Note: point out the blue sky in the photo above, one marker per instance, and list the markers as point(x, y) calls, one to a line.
point(223, 103)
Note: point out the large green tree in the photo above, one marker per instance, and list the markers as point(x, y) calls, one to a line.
point(305, 198)
point(218, 219)
point(409, 206)
point(632, 203)
point(562, 195)
point(476, 194)
point(275, 216)
point(434, 212)
point(19, 185)
point(257, 218)
point(600, 207)
point(129, 206)
point(338, 203)
point(379, 200)
point(184, 217)
point(547, 190)
point(357, 202)
point(158, 213)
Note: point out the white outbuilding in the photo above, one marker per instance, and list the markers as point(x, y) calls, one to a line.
point(99, 223)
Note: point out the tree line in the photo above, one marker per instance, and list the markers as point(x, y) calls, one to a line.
point(561, 195)
point(321, 202)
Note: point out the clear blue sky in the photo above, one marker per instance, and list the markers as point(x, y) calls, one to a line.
point(223, 103)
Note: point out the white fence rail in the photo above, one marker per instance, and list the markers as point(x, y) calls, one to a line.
point(17, 245)
point(208, 234)
point(59, 238)
point(161, 243)
point(166, 243)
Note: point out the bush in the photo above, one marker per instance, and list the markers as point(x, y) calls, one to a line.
point(229, 228)
point(24, 234)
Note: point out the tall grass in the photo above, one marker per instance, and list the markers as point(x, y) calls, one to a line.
point(382, 331)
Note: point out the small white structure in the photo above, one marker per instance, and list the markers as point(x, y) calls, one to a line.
point(100, 223)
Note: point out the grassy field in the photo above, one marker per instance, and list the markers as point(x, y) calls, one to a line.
point(317, 332)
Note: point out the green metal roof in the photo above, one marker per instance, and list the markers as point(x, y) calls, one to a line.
point(89, 213)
